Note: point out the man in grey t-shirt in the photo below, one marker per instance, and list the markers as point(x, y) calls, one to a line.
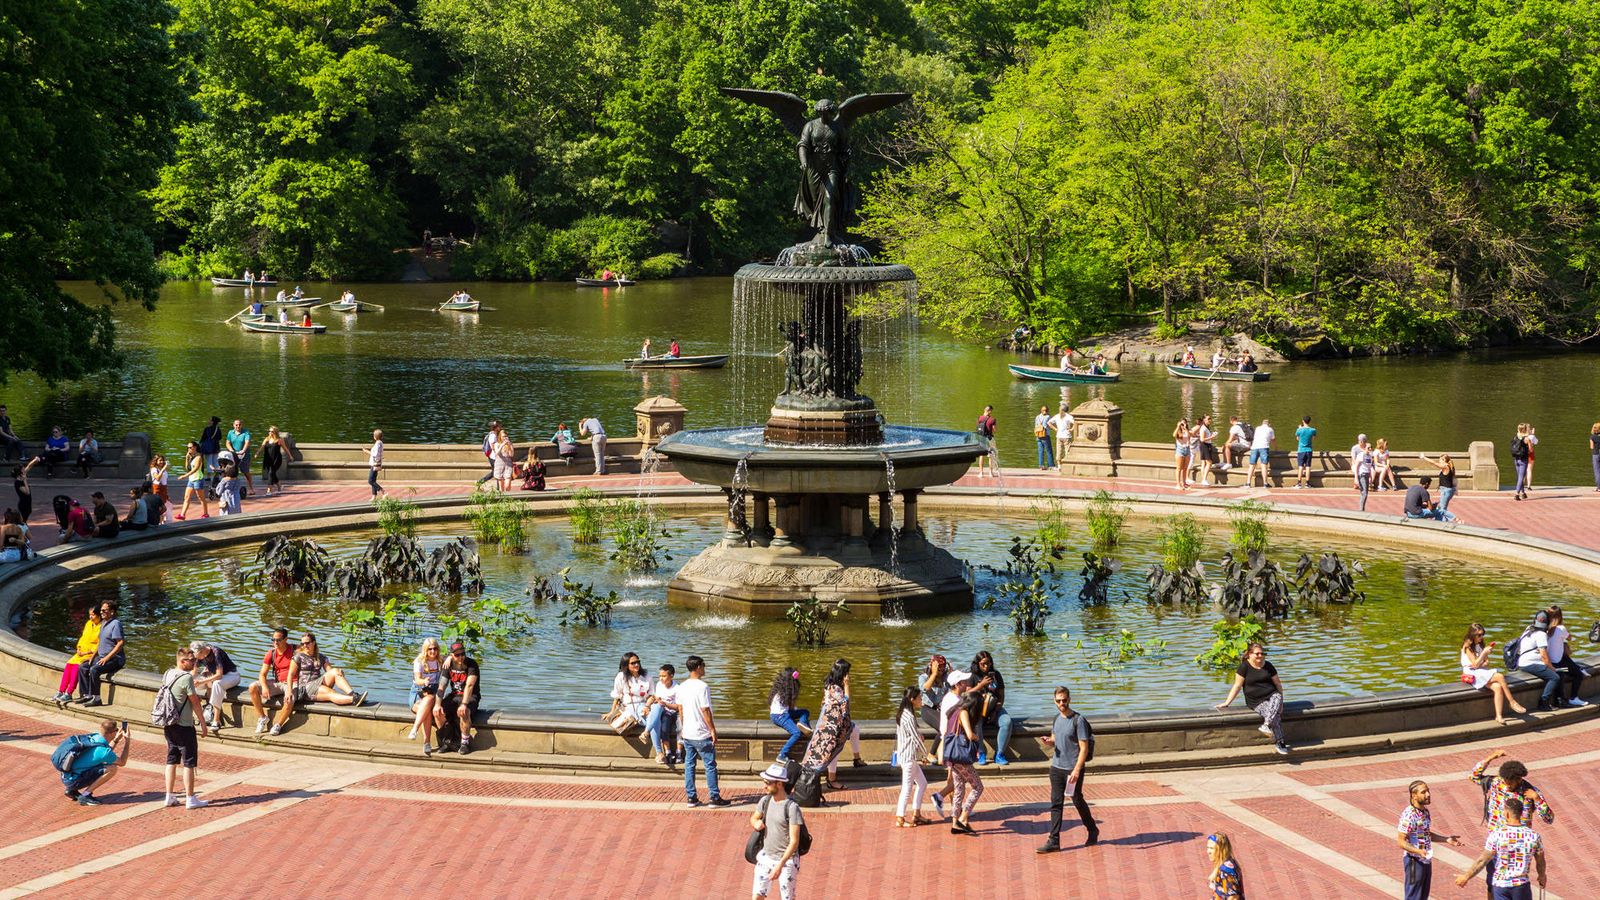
point(1070, 739)
point(592, 426)
point(780, 818)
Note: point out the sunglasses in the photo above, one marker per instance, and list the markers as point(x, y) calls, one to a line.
point(458, 653)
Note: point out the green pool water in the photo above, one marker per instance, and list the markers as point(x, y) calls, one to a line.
point(1405, 635)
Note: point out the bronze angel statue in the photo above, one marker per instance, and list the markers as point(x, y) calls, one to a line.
point(826, 198)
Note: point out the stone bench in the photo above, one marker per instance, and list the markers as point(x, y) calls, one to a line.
point(127, 458)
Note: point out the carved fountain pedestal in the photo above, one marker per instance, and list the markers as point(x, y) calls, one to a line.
point(811, 495)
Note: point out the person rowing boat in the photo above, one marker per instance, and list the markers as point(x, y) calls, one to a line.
point(673, 350)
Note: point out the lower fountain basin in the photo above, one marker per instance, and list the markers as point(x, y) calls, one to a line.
point(922, 457)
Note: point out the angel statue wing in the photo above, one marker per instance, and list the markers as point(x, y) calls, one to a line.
point(789, 109)
point(864, 104)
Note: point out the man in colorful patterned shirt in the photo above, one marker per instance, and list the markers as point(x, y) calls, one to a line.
point(1509, 852)
point(1415, 836)
point(1499, 790)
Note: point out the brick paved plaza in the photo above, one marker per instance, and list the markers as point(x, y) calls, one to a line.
point(297, 825)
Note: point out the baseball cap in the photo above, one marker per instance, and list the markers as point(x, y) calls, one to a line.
point(957, 676)
point(1541, 621)
point(457, 645)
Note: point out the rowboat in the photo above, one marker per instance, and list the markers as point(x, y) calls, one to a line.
point(459, 306)
point(240, 282)
point(1215, 374)
point(253, 317)
point(342, 306)
point(677, 362)
point(604, 282)
point(293, 303)
point(270, 327)
point(1045, 373)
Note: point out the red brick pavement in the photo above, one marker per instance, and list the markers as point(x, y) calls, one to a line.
point(383, 848)
point(17, 728)
point(1529, 748)
point(44, 809)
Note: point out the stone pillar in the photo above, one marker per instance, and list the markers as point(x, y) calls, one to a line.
point(1096, 440)
point(885, 516)
point(656, 418)
point(732, 535)
point(910, 525)
point(760, 525)
point(1485, 471)
point(783, 522)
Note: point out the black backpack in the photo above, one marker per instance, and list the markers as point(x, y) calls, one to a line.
point(1519, 448)
point(1088, 729)
point(752, 846)
point(1514, 650)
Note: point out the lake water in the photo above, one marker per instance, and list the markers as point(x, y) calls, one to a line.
point(1406, 634)
point(542, 353)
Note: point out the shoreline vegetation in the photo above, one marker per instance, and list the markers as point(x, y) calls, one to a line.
point(1354, 177)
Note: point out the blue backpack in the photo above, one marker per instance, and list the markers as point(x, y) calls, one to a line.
point(68, 751)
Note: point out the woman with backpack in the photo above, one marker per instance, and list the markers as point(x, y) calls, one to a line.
point(1522, 459)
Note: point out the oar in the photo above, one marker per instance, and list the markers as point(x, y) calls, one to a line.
point(237, 314)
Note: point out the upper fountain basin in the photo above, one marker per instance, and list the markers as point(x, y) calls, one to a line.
point(922, 457)
point(832, 275)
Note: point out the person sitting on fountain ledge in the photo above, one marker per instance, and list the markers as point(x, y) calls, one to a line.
point(314, 679)
point(459, 695)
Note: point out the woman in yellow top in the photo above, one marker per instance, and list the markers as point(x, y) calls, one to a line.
point(88, 645)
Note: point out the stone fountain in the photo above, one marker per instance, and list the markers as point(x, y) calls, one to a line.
point(811, 494)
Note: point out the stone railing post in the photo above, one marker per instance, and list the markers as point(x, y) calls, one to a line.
point(135, 459)
point(656, 418)
point(1096, 440)
point(1485, 471)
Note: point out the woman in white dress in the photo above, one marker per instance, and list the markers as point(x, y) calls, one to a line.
point(629, 691)
point(1475, 671)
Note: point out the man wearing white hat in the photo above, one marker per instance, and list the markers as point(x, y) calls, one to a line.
point(780, 818)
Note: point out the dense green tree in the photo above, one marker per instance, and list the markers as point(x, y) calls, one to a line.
point(88, 101)
point(285, 166)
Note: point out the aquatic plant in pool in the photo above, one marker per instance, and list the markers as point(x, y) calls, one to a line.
point(397, 517)
point(1404, 635)
point(499, 518)
point(1105, 515)
point(1250, 531)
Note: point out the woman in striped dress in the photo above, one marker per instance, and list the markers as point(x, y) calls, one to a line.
point(911, 752)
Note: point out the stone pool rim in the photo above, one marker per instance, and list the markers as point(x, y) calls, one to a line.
point(520, 737)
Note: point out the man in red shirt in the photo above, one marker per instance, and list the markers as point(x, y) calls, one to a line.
point(274, 678)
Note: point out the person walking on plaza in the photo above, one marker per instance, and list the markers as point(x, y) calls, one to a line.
point(109, 658)
point(834, 726)
point(1062, 423)
point(19, 483)
point(1303, 437)
point(505, 462)
point(1561, 660)
point(910, 752)
point(1447, 479)
point(1361, 466)
point(240, 442)
point(781, 823)
point(92, 761)
point(1508, 785)
point(1041, 434)
point(1263, 693)
point(272, 460)
point(1205, 440)
point(211, 442)
point(1475, 670)
point(176, 709)
point(986, 430)
point(8, 438)
point(1072, 744)
point(375, 463)
point(1521, 453)
point(591, 426)
point(1260, 446)
point(958, 751)
point(1226, 881)
point(1509, 852)
point(1594, 453)
point(697, 732)
point(1181, 454)
point(491, 439)
point(782, 709)
point(194, 482)
point(1415, 837)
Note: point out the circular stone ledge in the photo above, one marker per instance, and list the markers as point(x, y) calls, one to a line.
point(522, 739)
